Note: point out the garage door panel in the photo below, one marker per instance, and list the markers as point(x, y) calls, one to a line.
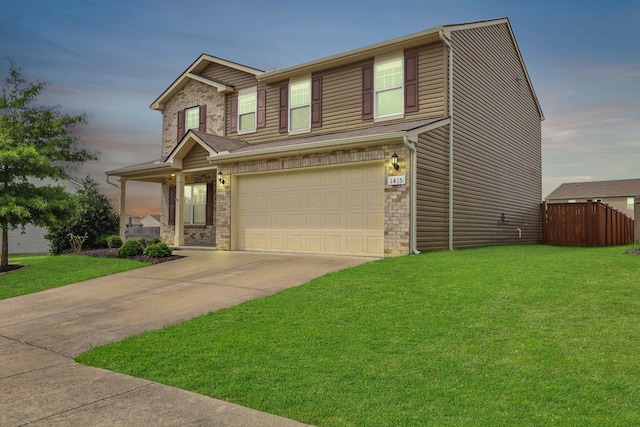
point(324, 210)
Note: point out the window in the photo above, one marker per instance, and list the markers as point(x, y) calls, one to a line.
point(247, 106)
point(388, 88)
point(300, 105)
point(630, 203)
point(195, 204)
point(192, 118)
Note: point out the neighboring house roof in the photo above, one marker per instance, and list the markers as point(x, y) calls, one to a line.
point(596, 189)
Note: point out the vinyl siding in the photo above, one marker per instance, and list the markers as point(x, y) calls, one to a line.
point(341, 97)
point(497, 149)
point(432, 203)
point(239, 79)
point(196, 158)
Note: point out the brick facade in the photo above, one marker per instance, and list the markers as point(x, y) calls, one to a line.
point(192, 94)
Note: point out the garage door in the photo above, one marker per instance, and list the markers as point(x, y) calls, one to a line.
point(337, 210)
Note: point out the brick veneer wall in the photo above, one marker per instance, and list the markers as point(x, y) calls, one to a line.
point(397, 198)
point(193, 234)
point(192, 94)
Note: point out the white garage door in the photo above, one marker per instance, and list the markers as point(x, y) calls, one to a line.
point(336, 210)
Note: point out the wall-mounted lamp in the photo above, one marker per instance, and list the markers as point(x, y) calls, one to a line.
point(220, 180)
point(394, 161)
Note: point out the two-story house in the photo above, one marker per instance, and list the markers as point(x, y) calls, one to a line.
point(425, 142)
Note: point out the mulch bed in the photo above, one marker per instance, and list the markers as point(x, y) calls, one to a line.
point(113, 253)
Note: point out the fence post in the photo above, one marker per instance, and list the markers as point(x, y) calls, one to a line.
point(636, 222)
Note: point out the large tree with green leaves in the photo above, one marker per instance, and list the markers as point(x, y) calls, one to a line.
point(36, 144)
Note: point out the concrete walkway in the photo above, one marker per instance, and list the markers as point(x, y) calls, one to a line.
point(41, 333)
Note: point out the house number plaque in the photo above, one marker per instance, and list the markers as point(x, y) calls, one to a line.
point(396, 180)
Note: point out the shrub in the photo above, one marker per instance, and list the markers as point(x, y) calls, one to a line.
point(76, 242)
point(155, 240)
point(144, 242)
point(158, 250)
point(130, 248)
point(114, 241)
point(101, 241)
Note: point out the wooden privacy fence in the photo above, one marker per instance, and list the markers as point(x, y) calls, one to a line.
point(585, 224)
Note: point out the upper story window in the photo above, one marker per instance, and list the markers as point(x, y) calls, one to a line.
point(630, 203)
point(388, 83)
point(248, 110)
point(300, 105)
point(247, 107)
point(192, 118)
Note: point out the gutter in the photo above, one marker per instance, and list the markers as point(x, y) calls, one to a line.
point(450, 73)
point(413, 244)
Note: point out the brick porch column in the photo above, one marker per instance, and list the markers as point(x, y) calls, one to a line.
point(123, 215)
point(178, 238)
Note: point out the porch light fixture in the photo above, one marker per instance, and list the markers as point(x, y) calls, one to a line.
point(220, 180)
point(394, 161)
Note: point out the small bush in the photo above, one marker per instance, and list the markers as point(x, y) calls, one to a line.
point(114, 241)
point(144, 242)
point(158, 250)
point(77, 242)
point(101, 241)
point(155, 240)
point(130, 248)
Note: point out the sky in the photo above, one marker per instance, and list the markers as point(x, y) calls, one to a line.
point(112, 59)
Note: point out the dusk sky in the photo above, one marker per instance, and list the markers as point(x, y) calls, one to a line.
point(111, 59)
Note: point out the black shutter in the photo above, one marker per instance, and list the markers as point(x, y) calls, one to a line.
point(202, 126)
point(234, 114)
point(284, 108)
point(210, 193)
point(172, 205)
point(410, 82)
point(261, 113)
point(316, 102)
point(367, 91)
point(180, 124)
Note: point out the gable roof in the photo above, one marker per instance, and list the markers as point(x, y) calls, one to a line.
point(596, 189)
point(192, 73)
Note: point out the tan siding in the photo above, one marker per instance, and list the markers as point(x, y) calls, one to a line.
point(341, 97)
point(497, 163)
point(196, 158)
point(433, 190)
point(239, 79)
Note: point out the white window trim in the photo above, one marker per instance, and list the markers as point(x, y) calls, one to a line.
point(295, 80)
point(188, 209)
point(186, 118)
point(244, 92)
point(382, 59)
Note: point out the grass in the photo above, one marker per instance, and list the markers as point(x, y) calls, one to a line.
point(519, 335)
point(46, 271)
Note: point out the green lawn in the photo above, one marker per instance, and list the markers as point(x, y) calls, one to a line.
point(519, 335)
point(46, 271)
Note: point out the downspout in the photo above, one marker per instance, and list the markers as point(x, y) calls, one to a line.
point(450, 73)
point(413, 246)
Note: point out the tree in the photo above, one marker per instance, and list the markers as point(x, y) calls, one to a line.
point(94, 219)
point(36, 143)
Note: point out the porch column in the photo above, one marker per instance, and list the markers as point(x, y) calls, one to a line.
point(178, 238)
point(123, 215)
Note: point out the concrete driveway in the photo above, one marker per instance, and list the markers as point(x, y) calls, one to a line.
point(41, 333)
